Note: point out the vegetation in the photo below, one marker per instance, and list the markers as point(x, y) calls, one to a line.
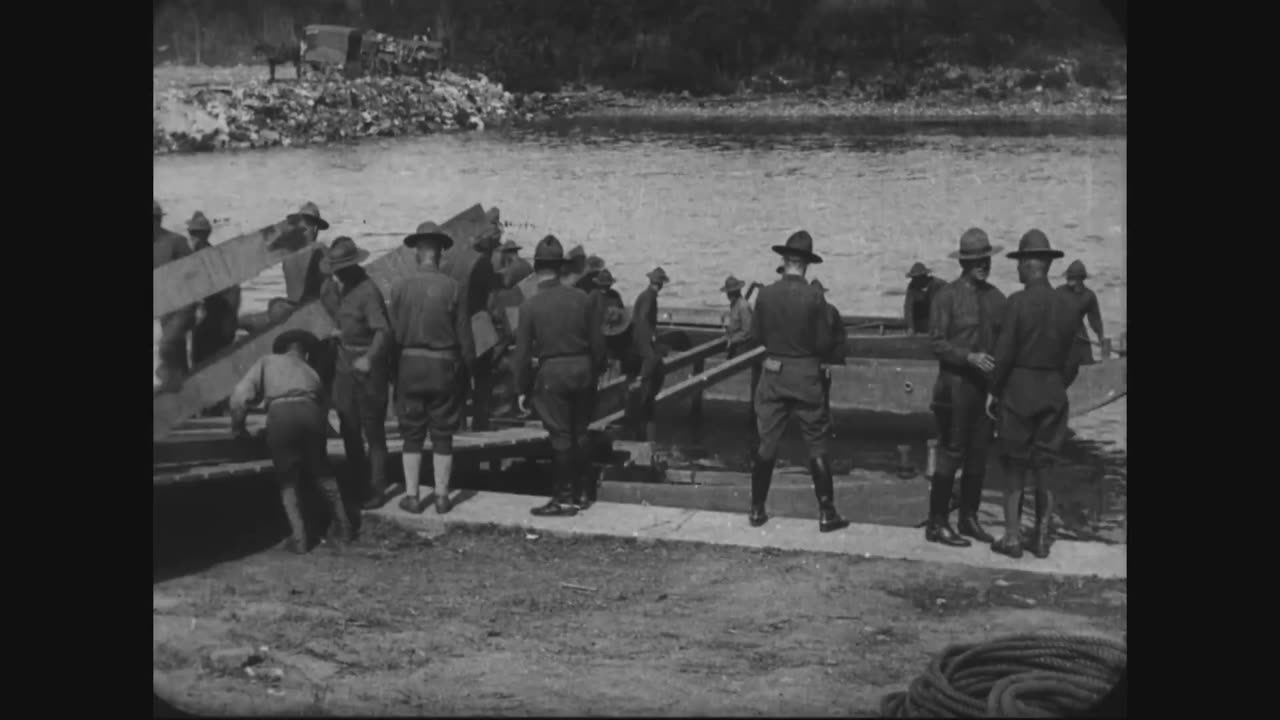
point(883, 49)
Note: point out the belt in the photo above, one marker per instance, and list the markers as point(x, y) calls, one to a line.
point(450, 354)
point(293, 398)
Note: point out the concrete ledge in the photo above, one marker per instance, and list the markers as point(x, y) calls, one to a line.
point(719, 528)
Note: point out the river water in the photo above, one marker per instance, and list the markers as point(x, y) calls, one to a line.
point(704, 198)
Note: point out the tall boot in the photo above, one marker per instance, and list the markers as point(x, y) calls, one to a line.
point(651, 431)
point(297, 541)
point(561, 503)
point(584, 481)
point(442, 464)
point(1011, 543)
point(1038, 543)
point(761, 478)
point(970, 502)
point(824, 488)
point(342, 532)
point(938, 527)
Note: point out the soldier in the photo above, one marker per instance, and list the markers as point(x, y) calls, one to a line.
point(793, 324)
point(963, 323)
point(303, 276)
point(167, 246)
point(575, 265)
point(921, 289)
point(361, 374)
point(587, 282)
point(644, 316)
point(514, 268)
point(1089, 310)
point(738, 328)
point(433, 336)
point(1034, 364)
point(217, 329)
point(296, 429)
point(472, 268)
point(556, 328)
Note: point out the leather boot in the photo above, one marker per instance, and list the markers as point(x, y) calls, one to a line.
point(1038, 542)
point(938, 529)
point(584, 480)
point(970, 502)
point(761, 478)
point(824, 488)
point(1010, 543)
point(561, 503)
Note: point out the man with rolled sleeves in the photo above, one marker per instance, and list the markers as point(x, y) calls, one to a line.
point(433, 336)
point(644, 317)
point(303, 275)
point(792, 322)
point(556, 327)
point(963, 323)
point(1088, 302)
point(1034, 364)
point(296, 430)
point(167, 246)
point(922, 286)
point(361, 373)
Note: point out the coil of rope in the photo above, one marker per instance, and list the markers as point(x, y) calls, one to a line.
point(1032, 675)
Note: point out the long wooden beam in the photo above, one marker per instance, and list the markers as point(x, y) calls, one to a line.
point(696, 383)
point(613, 395)
point(195, 277)
point(214, 380)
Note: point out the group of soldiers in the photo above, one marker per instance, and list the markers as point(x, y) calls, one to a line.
point(1004, 366)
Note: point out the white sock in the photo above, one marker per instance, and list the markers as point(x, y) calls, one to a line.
point(443, 465)
point(412, 466)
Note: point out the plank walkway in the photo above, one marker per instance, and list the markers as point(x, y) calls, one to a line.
point(720, 528)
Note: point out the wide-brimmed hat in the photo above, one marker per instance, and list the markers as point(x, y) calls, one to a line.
point(576, 253)
point(818, 284)
point(800, 245)
point(199, 223)
point(281, 344)
point(510, 246)
point(310, 212)
point(1076, 270)
point(919, 270)
point(342, 253)
point(595, 263)
point(616, 320)
point(1032, 245)
point(604, 278)
point(155, 209)
point(975, 245)
point(732, 283)
point(429, 232)
point(658, 275)
point(549, 250)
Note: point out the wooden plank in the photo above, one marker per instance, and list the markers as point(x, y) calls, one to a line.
point(195, 277)
point(694, 384)
point(214, 380)
point(712, 317)
point(612, 395)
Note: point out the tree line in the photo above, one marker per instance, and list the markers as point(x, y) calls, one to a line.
point(694, 45)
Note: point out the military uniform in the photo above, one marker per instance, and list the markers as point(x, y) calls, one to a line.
point(217, 330)
point(1081, 348)
point(303, 275)
point(296, 430)
point(360, 398)
point(167, 246)
point(920, 294)
point(472, 268)
point(965, 319)
point(1034, 364)
point(792, 322)
point(433, 335)
point(557, 329)
point(644, 317)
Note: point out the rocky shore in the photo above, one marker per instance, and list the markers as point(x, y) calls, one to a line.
point(206, 109)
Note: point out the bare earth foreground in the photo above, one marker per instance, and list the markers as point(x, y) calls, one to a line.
point(478, 622)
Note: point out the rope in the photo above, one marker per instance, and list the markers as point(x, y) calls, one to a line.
point(1034, 675)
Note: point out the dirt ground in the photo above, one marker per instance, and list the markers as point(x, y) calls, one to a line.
point(478, 622)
